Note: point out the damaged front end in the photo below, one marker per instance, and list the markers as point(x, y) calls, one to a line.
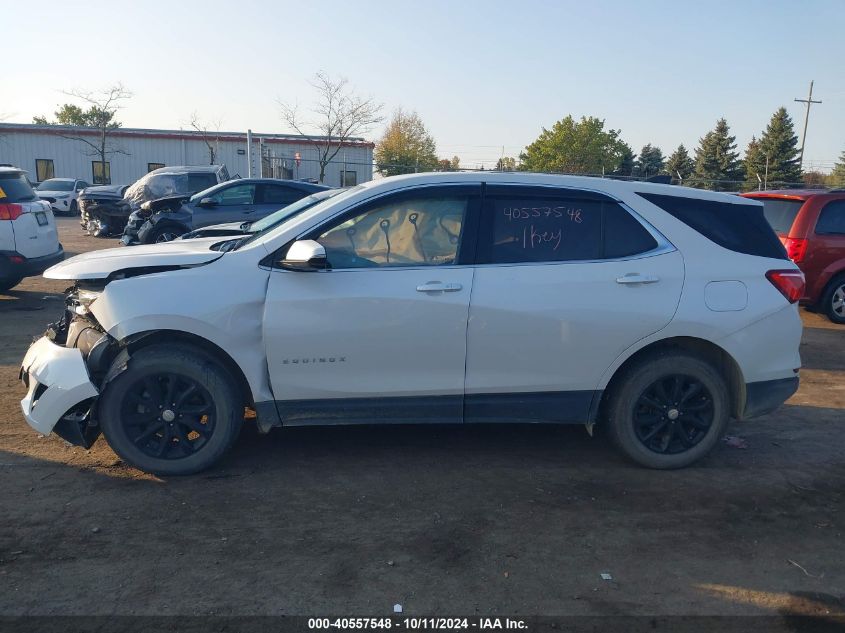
point(65, 370)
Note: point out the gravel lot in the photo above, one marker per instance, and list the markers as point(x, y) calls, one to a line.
point(444, 520)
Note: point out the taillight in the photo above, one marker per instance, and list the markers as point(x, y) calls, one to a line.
point(9, 211)
point(796, 248)
point(790, 283)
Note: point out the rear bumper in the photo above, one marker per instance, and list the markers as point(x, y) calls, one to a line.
point(57, 381)
point(767, 395)
point(13, 265)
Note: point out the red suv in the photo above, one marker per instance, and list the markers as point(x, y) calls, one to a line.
point(811, 225)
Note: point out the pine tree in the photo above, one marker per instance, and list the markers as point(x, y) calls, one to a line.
point(837, 176)
point(680, 163)
point(780, 143)
point(755, 164)
point(717, 163)
point(650, 161)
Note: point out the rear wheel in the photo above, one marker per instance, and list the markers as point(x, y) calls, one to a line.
point(668, 411)
point(173, 411)
point(9, 283)
point(833, 301)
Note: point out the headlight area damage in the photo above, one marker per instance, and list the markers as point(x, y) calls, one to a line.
point(65, 370)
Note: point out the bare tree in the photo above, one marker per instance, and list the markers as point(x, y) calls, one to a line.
point(102, 108)
point(339, 114)
point(209, 137)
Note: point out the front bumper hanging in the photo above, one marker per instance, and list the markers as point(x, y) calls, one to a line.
point(57, 384)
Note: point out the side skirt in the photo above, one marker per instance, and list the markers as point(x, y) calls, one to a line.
point(547, 407)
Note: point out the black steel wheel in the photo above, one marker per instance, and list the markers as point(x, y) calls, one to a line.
point(673, 414)
point(173, 411)
point(668, 409)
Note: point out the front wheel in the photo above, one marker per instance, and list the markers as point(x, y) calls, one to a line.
point(669, 410)
point(74, 208)
point(162, 234)
point(172, 411)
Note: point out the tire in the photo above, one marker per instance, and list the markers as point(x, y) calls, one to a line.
point(833, 300)
point(74, 208)
point(199, 388)
point(9, 283)
point(659, 433)
point(166, 233)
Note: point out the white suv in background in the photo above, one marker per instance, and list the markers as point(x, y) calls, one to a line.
point(62, 194)
point(29, 243)
point(657, 311)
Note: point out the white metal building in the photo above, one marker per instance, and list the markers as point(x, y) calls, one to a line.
point(44, 152)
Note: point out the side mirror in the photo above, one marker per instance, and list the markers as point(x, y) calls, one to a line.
point(305, 255)
point(207, 202)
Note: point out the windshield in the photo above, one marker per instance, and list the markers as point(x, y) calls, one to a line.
point(330, 196)
point(780, 213)
point(55, 184)
point(286, 213)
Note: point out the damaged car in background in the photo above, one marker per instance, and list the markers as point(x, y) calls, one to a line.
point(242, 201)
point(106, 210)
point(396, 301)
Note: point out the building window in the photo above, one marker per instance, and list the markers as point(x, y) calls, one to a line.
point(44, 169)
point(154, 166)
point(348, 178)
point(101, 172)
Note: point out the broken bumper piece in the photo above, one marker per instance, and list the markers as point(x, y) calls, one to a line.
point(57, 384)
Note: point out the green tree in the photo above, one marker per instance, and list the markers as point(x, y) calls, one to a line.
point(717, 163)
point(506, 163)
point(837, 176)
point(680, 163)
point(627, 161)
point(101, 115)
point(406, 146)
point(754, 164)
point(780, 143)
point(575, 147)
point(650, 161)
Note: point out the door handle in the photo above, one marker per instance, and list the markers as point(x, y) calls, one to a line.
point(637, 278)
point(438, 286)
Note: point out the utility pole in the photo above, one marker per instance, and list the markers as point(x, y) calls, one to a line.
point(809, 101)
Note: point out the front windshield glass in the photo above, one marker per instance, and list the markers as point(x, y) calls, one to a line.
point(337, 195)
point(286, 213)
point(56, 184)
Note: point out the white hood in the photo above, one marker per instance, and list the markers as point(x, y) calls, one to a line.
point(100, 264)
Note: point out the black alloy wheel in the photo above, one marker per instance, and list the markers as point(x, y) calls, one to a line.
point(673, 414)
point(169, 416)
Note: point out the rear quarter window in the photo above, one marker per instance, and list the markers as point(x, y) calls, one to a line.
point(832, 219)
point(15, 188)
point(741, 228)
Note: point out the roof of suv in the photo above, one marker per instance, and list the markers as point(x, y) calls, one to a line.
point(11, 170)
point(181, 169)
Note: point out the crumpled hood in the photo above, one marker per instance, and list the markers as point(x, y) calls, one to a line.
point(103, 191)
point(101, 264)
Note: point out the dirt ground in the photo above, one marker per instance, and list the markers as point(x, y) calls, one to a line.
point(443, 520)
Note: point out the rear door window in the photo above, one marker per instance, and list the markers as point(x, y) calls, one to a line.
point(780, 213)
point(14, 187)
point(832, 219)
point(736, 226)
point(543, 224)
point(278, 194)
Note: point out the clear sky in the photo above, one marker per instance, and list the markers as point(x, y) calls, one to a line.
point(482, 75)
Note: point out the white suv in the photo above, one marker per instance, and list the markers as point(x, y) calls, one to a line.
point(659, 312)
point(29, 243)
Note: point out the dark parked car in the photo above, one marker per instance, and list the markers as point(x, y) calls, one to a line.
point(250, 227)
point(243, 200)
point(177, 181)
